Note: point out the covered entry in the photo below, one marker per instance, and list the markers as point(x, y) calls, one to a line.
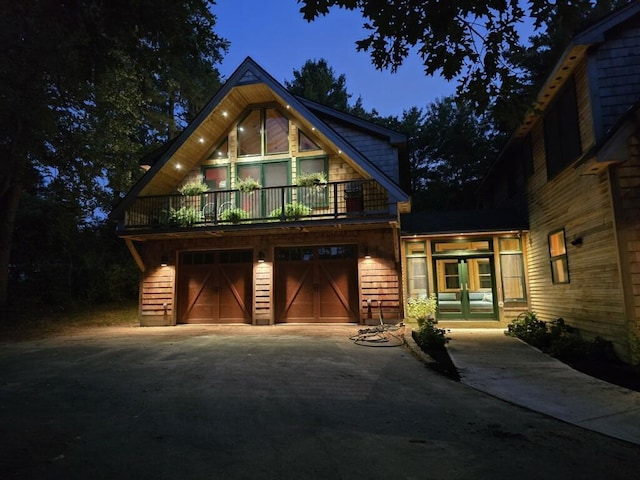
point(215, 287)
point(316, 284)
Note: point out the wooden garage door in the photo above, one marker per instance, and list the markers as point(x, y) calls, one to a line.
point(316, 284)
point(215, 287)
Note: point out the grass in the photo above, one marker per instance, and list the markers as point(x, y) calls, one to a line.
point(36, 323)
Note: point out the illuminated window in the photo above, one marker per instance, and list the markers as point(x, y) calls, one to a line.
point(512, 266)
point(558, 256)
point(263, 131)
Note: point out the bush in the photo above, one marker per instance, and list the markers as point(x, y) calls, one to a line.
point(429, 337)
point(559, 339)
point(292, 211)
point(234, 215)
point(185, 216)
point(422, 308)
point(528, 328)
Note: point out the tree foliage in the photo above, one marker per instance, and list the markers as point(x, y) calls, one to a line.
point(317, 81)
point(87, 87)
point(476, 43)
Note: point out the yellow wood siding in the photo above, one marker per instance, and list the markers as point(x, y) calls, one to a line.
point(593, 300)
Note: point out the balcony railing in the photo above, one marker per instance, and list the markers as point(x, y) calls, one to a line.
point(335, 200)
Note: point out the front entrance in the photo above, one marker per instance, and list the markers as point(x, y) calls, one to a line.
point(316, 284)
point(465, 287)
point(215, 287)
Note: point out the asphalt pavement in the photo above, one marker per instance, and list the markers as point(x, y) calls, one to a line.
point(283, 402)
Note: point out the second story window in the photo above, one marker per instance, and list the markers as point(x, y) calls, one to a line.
point(263, 131)
point(562, 131)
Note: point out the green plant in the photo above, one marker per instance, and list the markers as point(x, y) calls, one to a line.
point(292, 211)
point(430, 337)
point(423, 307)
point(185, 216)
point(529, 328)
point(234, 215)
point(315, 179)
point(194, 188)
point(247, 185)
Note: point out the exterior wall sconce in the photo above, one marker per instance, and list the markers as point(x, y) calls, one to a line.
point(164, 261)
point(260, 256)
point(366, 252)
point(576, 242)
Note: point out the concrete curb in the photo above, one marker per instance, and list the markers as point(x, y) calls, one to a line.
point(415, 349)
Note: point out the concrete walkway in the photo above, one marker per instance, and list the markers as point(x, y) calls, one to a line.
point(509, 369)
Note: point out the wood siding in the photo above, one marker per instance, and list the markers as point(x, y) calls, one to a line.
point(627, 198)
point(616, 71)
point(378, 278)
point(157, 290)
point(376, 150)
point(592, 301)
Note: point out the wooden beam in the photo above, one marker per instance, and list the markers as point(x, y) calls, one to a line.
point(134, 253)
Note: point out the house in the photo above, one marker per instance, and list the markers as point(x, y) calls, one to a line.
point(574, 168)
point(297, 220)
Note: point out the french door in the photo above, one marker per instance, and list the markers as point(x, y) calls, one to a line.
point(465, 287)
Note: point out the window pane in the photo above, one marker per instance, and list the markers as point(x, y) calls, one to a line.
point(512, 277)
point(311, 165)
point(559, 270)
point(556, 244)
point(510, 244)
point(216, 178)
point(249, 138)
point(277, 132)
point(416, 248)
point(452, 280)
point(417, 277)
point(305, 143)
point(221, 152)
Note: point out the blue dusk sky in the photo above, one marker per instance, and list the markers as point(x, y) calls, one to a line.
point(276, 36)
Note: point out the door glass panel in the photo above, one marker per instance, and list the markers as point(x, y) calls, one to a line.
point(449, 293)
point(480, 294)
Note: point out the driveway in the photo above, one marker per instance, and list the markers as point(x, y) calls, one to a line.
point(208, 402)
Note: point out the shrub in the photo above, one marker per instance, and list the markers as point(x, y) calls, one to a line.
point(194, 188)
point(428, 336)
point(292, 211)
point(422, 308)
point(530, 329)
point(248, 185)
point(234, 215)
point(185, 216)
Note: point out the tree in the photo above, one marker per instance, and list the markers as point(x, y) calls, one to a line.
point(317, 81)
point(476, 43)
point(451, 148)
point(86, 87)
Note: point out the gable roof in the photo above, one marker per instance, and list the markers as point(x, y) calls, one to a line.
point(249, 84)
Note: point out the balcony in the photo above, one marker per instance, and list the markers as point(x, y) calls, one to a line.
point(352, 200)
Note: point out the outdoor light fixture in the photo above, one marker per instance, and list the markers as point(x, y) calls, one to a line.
point(261, 257)
point(164, 261)
point(366, 252)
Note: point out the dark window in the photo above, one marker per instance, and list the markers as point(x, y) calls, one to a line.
point(562, 131)
point(305, 144)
